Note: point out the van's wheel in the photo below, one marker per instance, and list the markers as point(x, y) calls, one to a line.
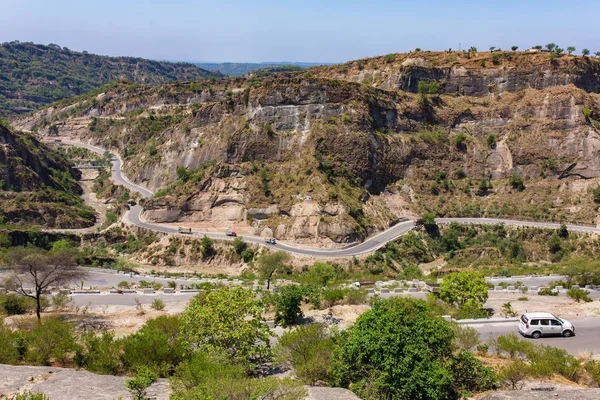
point(536, 335)
point(567, 333)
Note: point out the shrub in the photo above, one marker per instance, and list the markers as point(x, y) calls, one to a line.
point(308, 349)
point(13, 304)
point(51, 341)
point(467, 337)
point(12, 345)
point(332, 296)
point(547, 292)
point(356, 296)
point(111, 217)
point(389, 58)
point(401, 349)
point(546, 361)
point(158, 304)
point(144, 378)
point(287, 304)
point(517, 182)
point(512, 345)
point(27, 395)
point(593, 370)
point(61, 300)
point(156, 345)
point(579, 294)
point(125, 284)
point(507, 310)
point(428, 87)
point(513, 375)
point(587, 112)
point(491, 141)
point(100, 354)
point(596, 193)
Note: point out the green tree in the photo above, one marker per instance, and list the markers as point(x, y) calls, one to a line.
point(308, 349)
point(579, 294)
point(585, 52)
point(428, 87)
point(461, 287)
point(206, 245)
point(183, 173)
point(515, 48)
point(491, 141)
point(287, 304)
point(596, 193)
point(550, 46)
point(228, 320)
point(554, 243)
point(320, 274)
point(400, 349)
point(271, 263)
point(563, 232)
point(571, 49)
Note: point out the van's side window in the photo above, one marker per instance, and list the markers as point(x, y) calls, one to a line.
point(555, 322)
point(545, 322)
point(535, 322)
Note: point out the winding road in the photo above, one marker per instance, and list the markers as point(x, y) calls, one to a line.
point(134, 216)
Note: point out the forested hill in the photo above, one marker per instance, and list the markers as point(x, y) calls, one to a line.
point(32, 75)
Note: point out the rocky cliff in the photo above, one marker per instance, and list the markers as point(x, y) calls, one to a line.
point(308, 157)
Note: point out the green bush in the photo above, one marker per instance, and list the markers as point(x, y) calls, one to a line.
point(356, 296)
point(12, 345)
point(593, 370)
point(513, 375)
point(100, 354)
point(513, 346)
point(332, 296)
point(27, 395)
point(158, 304)
point(517, 182)
point(401, 349)
point(579, 294)
point(546, 361)
point(50, 342)
point(547, 292)
point(467, 337)
point(287, 304)
point(143, 378)
point(491, 141)
point(124, 285)
point(156, 345)
point(13, 304)
point(308, 349)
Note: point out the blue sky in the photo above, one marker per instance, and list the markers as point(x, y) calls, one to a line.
point(299, 30)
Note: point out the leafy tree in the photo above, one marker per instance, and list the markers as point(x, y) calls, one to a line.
point(228, 320)
point(270, 263)
point(287, 304)
point(308, 349)
point(597, 54)
point(460, 139)
point(320, 274)
point(515, 48)
point(571, 49)
point(428, 87)
point(558, 50)
point(491, 141)
point(582, 271)
point(551, 46)
point(400, 349)
point(554, 243)
point(473, 49)
point(538, 47)
point(585, 52)
point(492, 48)
point(40, 270)
point(239, 245)
point(460, 287)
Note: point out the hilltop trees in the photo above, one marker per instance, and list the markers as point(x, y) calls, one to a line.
point(571, 49)
point(585, 52)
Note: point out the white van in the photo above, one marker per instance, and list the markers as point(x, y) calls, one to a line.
point(538, 324)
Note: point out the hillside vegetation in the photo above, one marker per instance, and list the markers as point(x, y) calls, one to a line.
point(33, 75)
point(37, 185)
point(317, 157)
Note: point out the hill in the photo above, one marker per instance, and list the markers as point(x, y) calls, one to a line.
point(37, 185)
point(311, 157)
point(33, 75)
point(239, 69)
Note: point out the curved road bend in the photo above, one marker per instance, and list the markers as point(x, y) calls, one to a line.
point(134, 216)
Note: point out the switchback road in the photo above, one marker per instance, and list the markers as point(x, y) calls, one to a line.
point(134, 216)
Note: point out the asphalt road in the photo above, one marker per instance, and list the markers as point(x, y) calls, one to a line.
point(584, 341)
point(134, 216)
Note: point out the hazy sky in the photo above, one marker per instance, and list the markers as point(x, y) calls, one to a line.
point(299, 30)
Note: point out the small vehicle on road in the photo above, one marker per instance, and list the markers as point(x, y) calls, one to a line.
point(186, 231)
point(229, 232)
point(270, 241)
point(538, 324)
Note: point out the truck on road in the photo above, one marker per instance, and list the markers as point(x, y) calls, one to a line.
point(187, 231)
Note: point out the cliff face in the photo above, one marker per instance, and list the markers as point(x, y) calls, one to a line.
point(38, 186)
point(315, 159)
point(471, 73)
